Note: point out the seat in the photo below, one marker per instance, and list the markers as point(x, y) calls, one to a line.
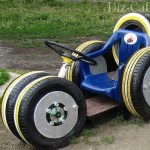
point(100, 84)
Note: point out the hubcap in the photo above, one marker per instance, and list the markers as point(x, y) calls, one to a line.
point(56, 114)
point(146, 87)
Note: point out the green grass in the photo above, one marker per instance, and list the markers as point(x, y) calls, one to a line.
point(108, 139)
point(4, 76)
point(85, 137)
point(59, 20)
point(20, 72)
point(87, 133)
point(74, 141)
point(120, 121)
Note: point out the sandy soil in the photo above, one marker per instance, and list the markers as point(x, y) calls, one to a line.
point(127, 137)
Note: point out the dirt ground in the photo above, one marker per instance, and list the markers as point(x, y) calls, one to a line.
point(126, 137)
point(13, 58)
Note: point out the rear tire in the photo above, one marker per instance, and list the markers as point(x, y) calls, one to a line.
point(10, 97)
point(39, 124)
point(131, 21)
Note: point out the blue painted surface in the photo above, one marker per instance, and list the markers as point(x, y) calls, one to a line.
point(101, 83)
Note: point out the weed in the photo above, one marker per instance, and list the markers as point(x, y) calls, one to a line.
point(138, 121)
point(74, 140)
point(120, 121)
point(87, 133)
point(4, 76)
point(108, 139)
point(20, 72)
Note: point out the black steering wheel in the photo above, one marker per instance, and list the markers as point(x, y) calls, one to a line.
point(59, 49)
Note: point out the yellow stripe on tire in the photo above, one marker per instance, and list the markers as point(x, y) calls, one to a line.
point(6, 95)
point(131, 16)
point(126, 84)
point(132, 70)
point(18, 103)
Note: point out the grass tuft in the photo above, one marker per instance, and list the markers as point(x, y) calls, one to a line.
point(108, 139)
point(20, 72)
point(74, 141)
point(120, 121)
point(87, 133)
point(4, 76)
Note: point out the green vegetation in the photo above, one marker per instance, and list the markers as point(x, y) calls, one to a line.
point(87, 133)
point(108, 139)
point(20, 72)
point(85, 136)
point(120, 121)
point(4, 76)
point(58, 20)
point(74, 141)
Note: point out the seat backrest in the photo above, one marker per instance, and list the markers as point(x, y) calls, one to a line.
point(132, 42)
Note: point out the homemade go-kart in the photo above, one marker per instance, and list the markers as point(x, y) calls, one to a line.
point(47, 111)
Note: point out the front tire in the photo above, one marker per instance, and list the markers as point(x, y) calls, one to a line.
point(51, 111)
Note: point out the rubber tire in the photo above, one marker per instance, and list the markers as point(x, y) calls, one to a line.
point(28, 105)
point(12, 98)
point(74, 73)
point(126, 22)
point(137, 67)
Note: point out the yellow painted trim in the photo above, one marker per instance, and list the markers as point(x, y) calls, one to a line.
point(132, 63)
point(115, 55)
point(133, 16)
point(20, 97)
point(71, 71)
point(84, 45)
point(67, 60)
point(66, 77)
point(7, 92)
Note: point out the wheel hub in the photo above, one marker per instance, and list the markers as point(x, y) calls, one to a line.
point(56, 114)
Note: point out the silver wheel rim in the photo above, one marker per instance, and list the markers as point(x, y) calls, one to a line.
point(146, 86)
point(56, 114)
